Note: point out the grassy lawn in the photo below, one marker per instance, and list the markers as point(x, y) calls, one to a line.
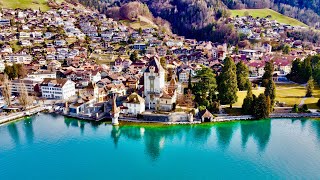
point(14, 46)
point(24, 4)
point(290, 94)
point(265, 12)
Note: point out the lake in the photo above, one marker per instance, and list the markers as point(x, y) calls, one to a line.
point(55, 147)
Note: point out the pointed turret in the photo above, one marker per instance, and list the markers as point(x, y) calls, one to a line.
point(115, 112)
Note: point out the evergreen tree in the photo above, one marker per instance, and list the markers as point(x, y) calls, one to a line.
point(307, 71)
point(270, 91)
point(205, 88)
point(310, 87)
point(261, 108)
point(286, 49)
point(190, 81)
point(242, 76)
point(236, 49)
point(248, 101)
point(228, 87)
point(268, 73)
point(134, 56)
point(295, 71)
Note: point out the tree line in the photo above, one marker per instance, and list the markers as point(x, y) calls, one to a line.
point(303, 70)
point(210, 90)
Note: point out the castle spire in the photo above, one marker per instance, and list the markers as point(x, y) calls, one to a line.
point(115, 111)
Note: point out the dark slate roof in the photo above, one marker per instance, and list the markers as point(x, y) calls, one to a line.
point(154, 62)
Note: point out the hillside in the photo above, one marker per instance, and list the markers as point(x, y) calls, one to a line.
point(266, 12)
point(306, 11)
point(25, 4)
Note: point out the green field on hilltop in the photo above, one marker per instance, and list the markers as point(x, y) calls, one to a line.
point(265, 12)
point(25, 4)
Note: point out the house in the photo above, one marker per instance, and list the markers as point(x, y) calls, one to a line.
point(2, 67)
point(91, 91)
point(139, 46)
point(42, 75)
point(53, 65)
point(5, 22)
point(134, 104)
point(32, 85)
point(6, 49)
point(184, 76)
point(18, 58)
point(57, 88)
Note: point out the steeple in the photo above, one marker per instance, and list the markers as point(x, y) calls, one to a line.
point(115, 111)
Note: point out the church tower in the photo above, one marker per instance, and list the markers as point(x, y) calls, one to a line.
point(154, 82)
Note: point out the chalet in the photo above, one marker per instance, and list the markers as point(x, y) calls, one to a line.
point(134, 104)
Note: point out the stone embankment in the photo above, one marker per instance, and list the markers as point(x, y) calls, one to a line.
point(14, 116)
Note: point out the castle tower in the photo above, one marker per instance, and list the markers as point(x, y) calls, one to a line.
point(115, 112)
point(154, 82)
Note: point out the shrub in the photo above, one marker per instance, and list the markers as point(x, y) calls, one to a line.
point(295, 109)
point(318, 103)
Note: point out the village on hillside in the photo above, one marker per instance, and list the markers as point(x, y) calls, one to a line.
point(81, 64)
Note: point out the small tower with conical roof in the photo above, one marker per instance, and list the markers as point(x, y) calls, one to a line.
point(115, 112)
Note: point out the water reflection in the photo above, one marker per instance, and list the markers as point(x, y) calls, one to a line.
point(28, 125)
point(14, 134)
point(115, 135)
point(155, 138)
point(224, 134)
point(259, 130)
point(302, 122)
point(316, 127)
point(81, 124)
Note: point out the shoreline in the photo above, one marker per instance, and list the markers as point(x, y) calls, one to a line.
point(22, 115)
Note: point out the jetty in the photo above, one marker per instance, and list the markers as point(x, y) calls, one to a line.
point(17, 115)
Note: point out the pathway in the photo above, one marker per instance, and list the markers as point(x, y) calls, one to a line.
point(13, 116)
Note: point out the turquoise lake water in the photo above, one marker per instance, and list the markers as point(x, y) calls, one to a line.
point(54, 147)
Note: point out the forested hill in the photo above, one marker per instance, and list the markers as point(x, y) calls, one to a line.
point(190, 18)
point(306, 11)
point(203, 19)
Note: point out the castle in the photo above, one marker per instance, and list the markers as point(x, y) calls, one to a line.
point(158, 94)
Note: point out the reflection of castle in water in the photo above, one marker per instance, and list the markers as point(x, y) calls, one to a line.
point(259, 130)
point(156, 137)
point(81, 124)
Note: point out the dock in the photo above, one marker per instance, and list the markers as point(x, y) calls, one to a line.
point(14, 116)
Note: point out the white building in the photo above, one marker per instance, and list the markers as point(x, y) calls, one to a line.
point(43, 75)
point(58, 88)
point(154, 82)
point(184, 76)
point(2, 67)
point(18, 58)
point(30, 85)
point(134, 105)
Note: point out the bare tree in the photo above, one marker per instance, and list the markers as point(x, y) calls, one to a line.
point(6, 90)
point(24, 99)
